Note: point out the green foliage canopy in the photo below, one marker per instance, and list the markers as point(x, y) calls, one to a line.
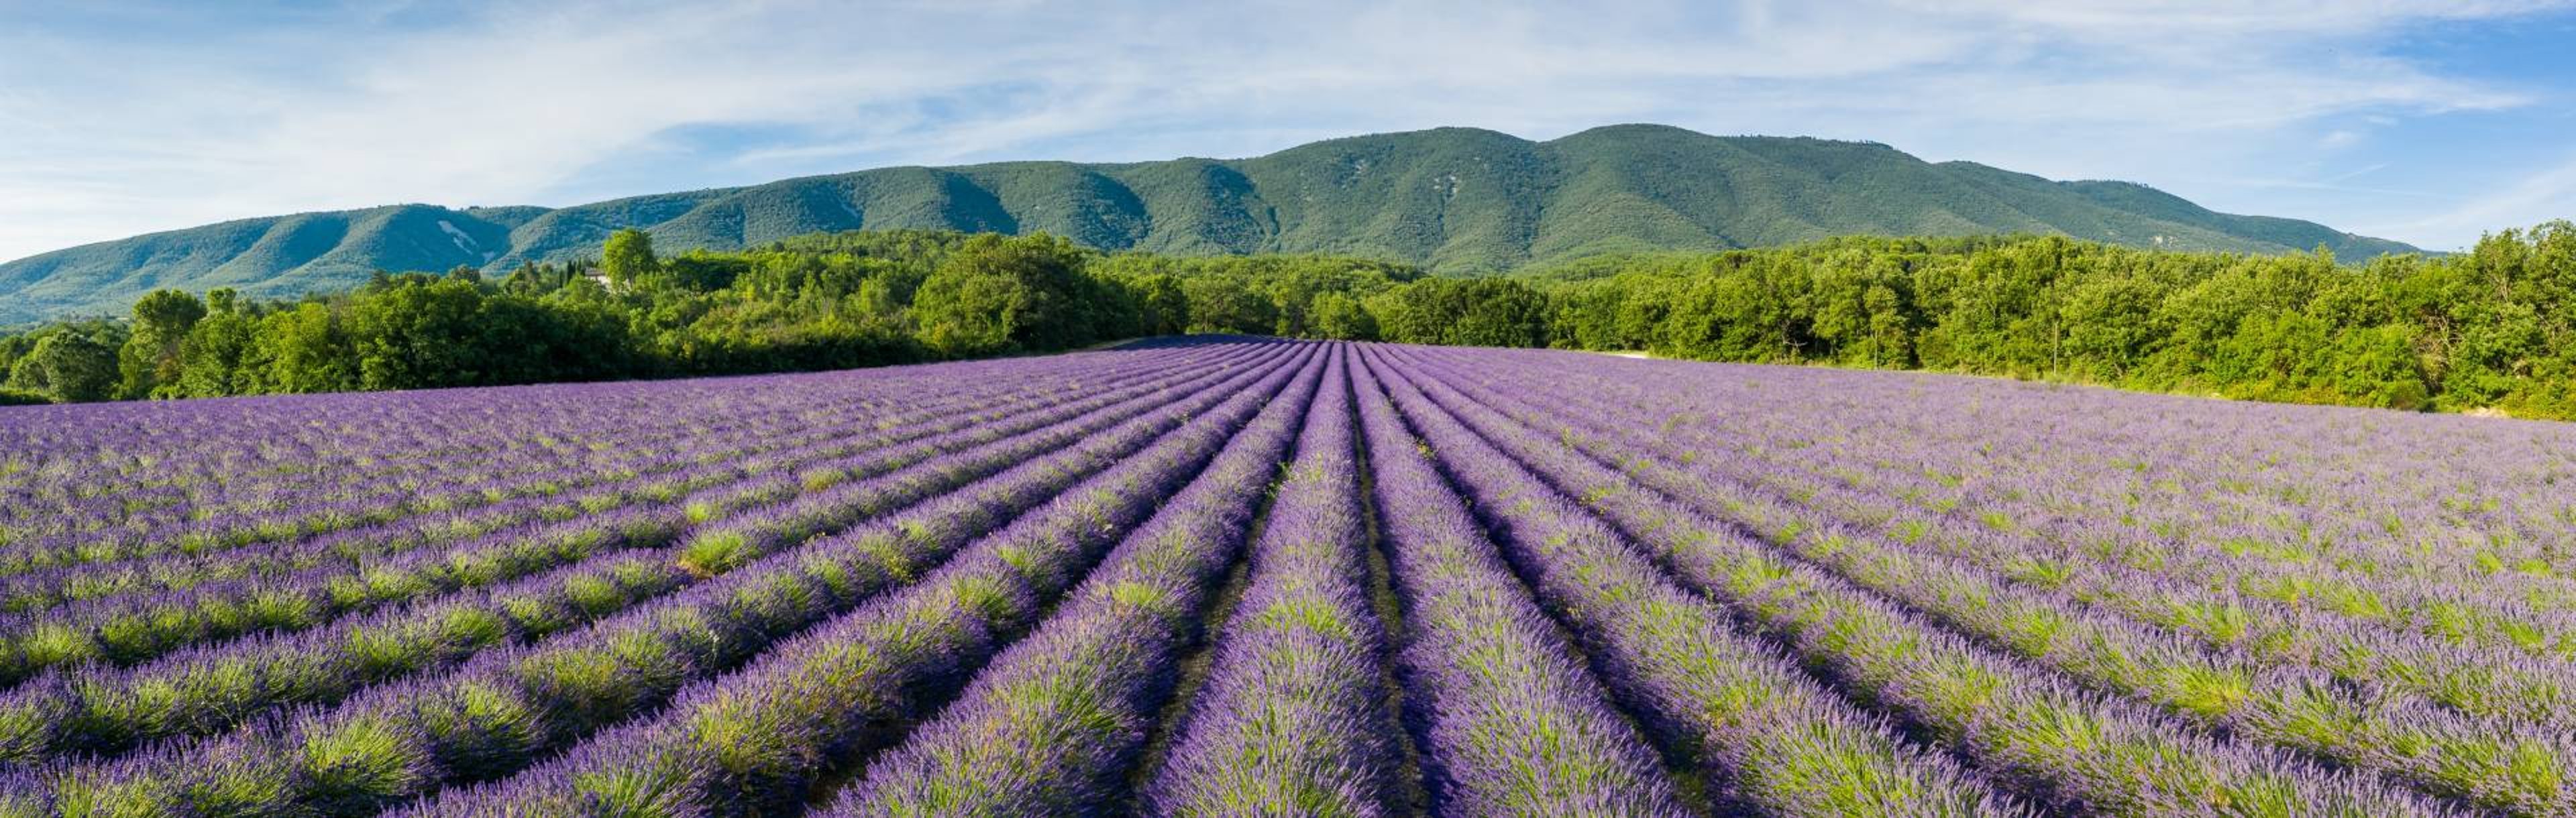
point(1000, 294)
point(627, 257)
point(67, 366)
point(2492, 328)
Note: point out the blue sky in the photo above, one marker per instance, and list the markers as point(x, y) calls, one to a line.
point(2428, 123)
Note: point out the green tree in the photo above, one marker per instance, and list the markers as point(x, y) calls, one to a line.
point(1224, 304)
point(1163, 308)
point(627, 258)
point(526, 280)
point(703, 271)
point(2111, 326)
point(876, 302)
point(150, 358)
point(217, 356)
point(307, 350)
point(2376, 366)
point(1497, 312)
point(1500, 312)
point(68, 366)
point(420, 334)
point(1342, 317)
point(998, 294)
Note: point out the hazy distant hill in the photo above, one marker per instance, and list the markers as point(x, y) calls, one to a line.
point(1455, 200)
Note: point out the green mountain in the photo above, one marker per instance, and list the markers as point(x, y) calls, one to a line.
point(1455, 200)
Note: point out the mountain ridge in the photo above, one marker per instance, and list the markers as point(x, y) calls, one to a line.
point(1454, 200)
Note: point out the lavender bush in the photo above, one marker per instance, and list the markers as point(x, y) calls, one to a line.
point(1237, 577)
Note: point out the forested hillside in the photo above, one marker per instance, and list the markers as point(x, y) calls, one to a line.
point(2490, 329)
point(1451, 201)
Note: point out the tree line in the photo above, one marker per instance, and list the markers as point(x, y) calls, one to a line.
point(2493, 328)
point(816, 302)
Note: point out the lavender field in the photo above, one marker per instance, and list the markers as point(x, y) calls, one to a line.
point(1258, 577)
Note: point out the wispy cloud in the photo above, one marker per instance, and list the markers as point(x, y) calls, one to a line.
point(2551, 191)
point(119, 121)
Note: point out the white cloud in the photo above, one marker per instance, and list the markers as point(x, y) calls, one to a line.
point(2549, 194)
point(515, 102)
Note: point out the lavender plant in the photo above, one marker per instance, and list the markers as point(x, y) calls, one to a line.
point(1292, 718)
point(746, 740)
point(1486, 582)
point(1052, 724)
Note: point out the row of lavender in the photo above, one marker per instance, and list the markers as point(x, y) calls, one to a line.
point(1547, 652)
point(190, 478)
point(1303, 579)
point(241, 473)
point(99, 709)
point(546, 635)
point(302, 583)
point(298, 585)
point(2284, 687)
